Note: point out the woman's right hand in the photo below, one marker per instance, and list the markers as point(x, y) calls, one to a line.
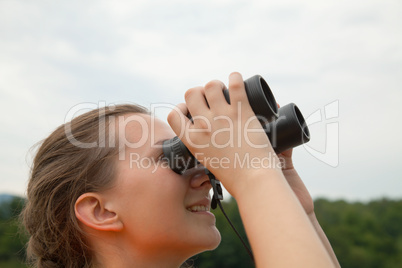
point(226, 138)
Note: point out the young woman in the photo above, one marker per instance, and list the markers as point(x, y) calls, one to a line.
point(101, 195)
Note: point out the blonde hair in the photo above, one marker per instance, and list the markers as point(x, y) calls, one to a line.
point(61, 172)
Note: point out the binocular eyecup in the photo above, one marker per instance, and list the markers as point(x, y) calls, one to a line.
point(285, 127)
point(260, 97)
point(178, 156)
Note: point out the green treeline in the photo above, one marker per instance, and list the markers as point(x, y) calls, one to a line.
point(362, 234)
point(12, 240)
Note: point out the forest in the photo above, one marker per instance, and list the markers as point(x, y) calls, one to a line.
point(365, 234)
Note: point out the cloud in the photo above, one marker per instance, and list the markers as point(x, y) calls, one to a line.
point(55, 55)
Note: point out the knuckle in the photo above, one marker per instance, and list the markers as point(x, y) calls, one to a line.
point(190, 92)
point(236, 78)
point(213, 84)
point(176, 113)
point(237, 85)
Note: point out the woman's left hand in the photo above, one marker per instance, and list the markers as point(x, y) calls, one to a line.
point(295, 181)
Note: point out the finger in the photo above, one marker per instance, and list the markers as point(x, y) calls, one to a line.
point(214, 94)
point(237, 89)
point(178, 120)
point(195, 101)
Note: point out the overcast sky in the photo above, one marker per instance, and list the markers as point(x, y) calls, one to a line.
point(341, 60)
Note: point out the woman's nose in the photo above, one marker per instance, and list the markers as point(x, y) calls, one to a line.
point(199, 179)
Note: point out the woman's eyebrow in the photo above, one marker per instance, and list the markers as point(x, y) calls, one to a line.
point(158, 144)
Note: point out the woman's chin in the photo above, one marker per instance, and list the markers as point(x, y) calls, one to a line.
point(212, 241)
point(217, 240)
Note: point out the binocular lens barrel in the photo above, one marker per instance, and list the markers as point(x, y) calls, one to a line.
point(289, 130)
point(285, 127)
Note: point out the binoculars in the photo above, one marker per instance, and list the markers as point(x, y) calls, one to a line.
point(285, 127)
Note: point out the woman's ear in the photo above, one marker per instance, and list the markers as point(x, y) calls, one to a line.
point(91, 211)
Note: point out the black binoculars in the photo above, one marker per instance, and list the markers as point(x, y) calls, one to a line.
point(285, 127)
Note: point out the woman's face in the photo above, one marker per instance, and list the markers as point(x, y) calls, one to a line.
point(160, 210)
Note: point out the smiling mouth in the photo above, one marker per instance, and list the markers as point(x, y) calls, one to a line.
point(198, 208)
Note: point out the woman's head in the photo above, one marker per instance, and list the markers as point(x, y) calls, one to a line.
point(98, 187)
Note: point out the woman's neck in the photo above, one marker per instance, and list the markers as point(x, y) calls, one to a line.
point(109, 255)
